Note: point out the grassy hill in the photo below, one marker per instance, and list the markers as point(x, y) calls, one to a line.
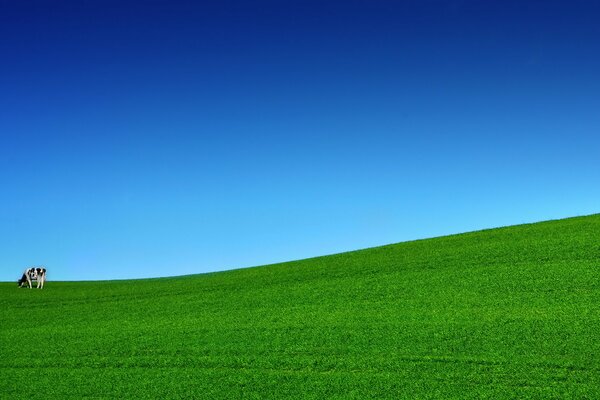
point(503, 313)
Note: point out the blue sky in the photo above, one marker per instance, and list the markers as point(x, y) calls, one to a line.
point(158, 138)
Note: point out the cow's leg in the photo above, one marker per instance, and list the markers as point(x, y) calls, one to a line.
point(41, 281)
point(29, 281)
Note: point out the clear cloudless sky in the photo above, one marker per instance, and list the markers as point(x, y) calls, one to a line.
point(159, 138)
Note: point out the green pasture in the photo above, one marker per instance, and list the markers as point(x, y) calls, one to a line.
point(502, 313)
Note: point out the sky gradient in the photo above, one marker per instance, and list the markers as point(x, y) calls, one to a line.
point(158, 138)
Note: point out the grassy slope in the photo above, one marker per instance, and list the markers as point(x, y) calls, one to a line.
point(504, 313)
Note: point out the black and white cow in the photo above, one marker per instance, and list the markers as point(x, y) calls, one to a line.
point(37, 274)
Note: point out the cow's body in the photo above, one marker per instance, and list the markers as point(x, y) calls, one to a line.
point(28, 275)
point(37, 274)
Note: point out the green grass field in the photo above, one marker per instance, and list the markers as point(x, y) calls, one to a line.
point(502, 313)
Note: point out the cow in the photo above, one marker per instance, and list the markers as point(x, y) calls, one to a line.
point(37, 274)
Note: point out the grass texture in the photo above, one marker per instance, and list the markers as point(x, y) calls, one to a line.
point(503, 313)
